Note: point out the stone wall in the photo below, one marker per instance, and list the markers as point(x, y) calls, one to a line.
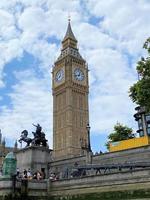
point(119, 183)
point(5, 187)
point(124, 181)
point(38, 188)
point(60, 166)
point(33, 157)
point(35, 188)
point(107, 186)
point(141, 154)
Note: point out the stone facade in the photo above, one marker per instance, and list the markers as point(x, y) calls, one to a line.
point(34, 158)
point(140, 154)
point(131, 184)
point(127, 181)
point(70, 100)
point(35, 189)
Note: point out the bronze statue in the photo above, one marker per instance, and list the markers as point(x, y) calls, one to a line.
point(24, 138)
point(39, 137)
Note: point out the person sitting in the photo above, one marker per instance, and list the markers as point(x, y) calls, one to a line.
point(25, 174)
point(39, 175)
point(43, 175)
point(29, 174)
point(35, 175)
point(17, 172)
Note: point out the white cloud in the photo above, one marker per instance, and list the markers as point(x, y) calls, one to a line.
point(9, 50)
point(31, 100)
point(109, 90)
point(90, 37)
point(124, 20)
point(33, 20)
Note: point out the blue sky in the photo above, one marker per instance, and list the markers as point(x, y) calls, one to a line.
point(110, 37)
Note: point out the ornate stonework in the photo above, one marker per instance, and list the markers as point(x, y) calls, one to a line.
point(70, 100)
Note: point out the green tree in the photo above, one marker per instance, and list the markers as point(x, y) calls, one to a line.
point(120, 132)
point(140, 91)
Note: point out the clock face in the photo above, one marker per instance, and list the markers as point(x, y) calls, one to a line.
point(78, 74)
point(59, 75)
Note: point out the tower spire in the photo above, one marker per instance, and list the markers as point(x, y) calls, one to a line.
point(69, 44)
point(69, 17)
point(69, 34)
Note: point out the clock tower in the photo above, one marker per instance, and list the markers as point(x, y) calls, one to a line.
point(70, 100)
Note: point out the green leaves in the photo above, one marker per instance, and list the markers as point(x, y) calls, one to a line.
point(121, 132)
point(140, 91)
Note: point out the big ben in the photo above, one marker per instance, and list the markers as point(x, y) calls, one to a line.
point(70, 100)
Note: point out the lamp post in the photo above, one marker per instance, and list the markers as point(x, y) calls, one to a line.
point(88, 132)
point(143, 119)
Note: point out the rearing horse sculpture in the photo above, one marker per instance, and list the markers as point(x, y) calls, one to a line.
point(24, 138)
point(38, 140)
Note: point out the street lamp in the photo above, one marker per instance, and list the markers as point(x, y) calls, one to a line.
point(143, 119)
point(88, 132)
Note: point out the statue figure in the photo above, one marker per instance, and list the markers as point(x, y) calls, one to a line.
point(24, 137)
point(39, 137)
point(37, 133)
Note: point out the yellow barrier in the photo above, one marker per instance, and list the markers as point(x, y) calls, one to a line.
point(129, 144)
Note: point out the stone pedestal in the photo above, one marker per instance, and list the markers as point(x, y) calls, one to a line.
point(33, 157)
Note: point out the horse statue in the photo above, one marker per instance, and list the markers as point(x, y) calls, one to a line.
point(38, 140)
point(24, 137)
